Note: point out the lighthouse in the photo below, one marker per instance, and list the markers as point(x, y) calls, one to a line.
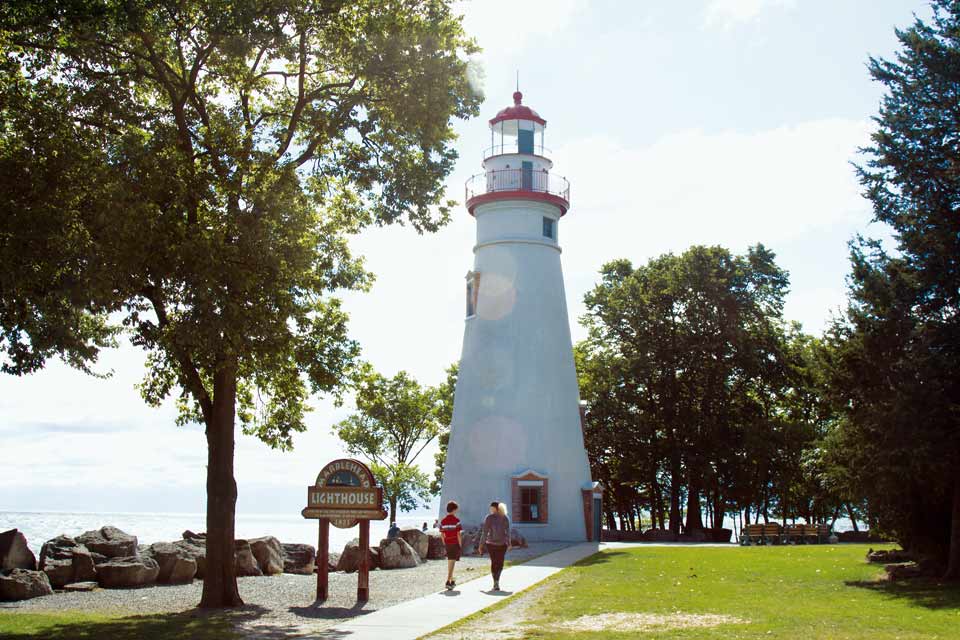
point(516, 433)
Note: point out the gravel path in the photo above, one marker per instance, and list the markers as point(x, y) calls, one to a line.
point(279, 607)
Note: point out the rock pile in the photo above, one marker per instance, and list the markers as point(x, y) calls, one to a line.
point(14, 552)
point(110, 558)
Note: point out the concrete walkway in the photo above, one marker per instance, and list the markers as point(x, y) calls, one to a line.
point(415, 618)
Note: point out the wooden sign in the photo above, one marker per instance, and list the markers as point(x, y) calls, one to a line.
point(345, 493)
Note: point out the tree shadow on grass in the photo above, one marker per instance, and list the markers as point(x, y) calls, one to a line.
point(195, 624)
point(924, 592)
point(602, 557)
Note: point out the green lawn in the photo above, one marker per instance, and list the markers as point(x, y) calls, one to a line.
point(80, 626)
point(826, 591)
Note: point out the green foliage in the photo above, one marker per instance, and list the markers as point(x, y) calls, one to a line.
point(193, 170)
point(447, 390)
point(895, 357)
point(691, 369)
point(395, 420)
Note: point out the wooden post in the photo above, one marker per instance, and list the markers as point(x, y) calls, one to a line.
point(363, 576)
point(323, 557)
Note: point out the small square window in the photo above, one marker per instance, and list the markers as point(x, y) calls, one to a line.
point(548, 227)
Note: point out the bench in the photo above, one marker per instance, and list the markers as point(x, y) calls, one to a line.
point(761, 534)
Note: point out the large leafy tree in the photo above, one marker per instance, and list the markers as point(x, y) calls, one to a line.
point(896, 358)
point(681, 355)
point(396, 419)
point(192, 170)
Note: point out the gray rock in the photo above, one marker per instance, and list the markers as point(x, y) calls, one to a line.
point(888, 556)
point(350, 557)
point(176, 565)
point(471, 536)
point(417, 539)
point(23, 584)
point(903, 570)
point(299, 558)
point(14, 552)
point(109, 541)
point(64, 560)
point(517, 539)
point(246, 563)
point(437, 550)
point(195, 552)
point(80, 586)
point(132, 571)
point(190, 535)
point(333, 559)
point(98, 558)
point(395, 553)
point(269, 555)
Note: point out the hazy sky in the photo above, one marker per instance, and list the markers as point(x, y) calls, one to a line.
point(724, 122)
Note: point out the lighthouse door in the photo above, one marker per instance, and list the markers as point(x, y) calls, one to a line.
point(526, 176)
point(597, 520)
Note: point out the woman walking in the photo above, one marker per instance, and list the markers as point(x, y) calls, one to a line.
point(495, 535)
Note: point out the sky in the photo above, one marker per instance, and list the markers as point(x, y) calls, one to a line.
point(720, 122)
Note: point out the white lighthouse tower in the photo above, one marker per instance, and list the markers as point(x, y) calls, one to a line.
point(516, 435)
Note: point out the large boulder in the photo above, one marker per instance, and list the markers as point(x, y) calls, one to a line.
point(246, 563)
point(517, 539)
point(350, 557)
point(176, 565)
point(64, 560)
point(299, 558)
point(418, 540)
point(436, 550)
point(470, 537)
point(269, 555)
point(395, 553)
point(333, 559)
point(23, 584)
point(132, 571)
point(14, 552)
point(196, 551)
point(110, 542)
point(888, 556)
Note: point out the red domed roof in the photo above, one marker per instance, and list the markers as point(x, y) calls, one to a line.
point(517, 112)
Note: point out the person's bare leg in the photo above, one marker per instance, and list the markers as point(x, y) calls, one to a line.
point(450, 565)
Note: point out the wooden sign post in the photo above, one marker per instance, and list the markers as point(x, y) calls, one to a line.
point(345, 493)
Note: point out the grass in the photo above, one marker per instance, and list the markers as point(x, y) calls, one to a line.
point(85, 626)
point(826, 591)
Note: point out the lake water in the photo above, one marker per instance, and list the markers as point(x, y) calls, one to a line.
point(38, 527)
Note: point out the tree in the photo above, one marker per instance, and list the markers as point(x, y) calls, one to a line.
point(194, 169)
point(896, 355)
point(396, 419)
point(682, 354)
point(447, 391)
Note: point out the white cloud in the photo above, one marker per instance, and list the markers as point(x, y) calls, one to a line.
point(504, 27)
point(726, 14)
point(791, 188)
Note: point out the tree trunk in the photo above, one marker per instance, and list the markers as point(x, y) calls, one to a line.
point(611, 520)
point(220, 580)
point(675, 495)
point(694, 517)
point(953, 559)
point(833, 519)
point(393, 509)
point(853, 518)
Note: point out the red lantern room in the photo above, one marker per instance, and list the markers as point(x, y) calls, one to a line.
point(516, 165)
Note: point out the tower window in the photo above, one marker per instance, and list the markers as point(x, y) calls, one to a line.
point(548, 227)
point(530, 504)
point(473, 290)
point(529, 492)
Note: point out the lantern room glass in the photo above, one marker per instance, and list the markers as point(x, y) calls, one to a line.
point(516, 136)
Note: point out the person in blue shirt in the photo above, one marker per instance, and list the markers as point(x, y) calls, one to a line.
point(393, 531)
